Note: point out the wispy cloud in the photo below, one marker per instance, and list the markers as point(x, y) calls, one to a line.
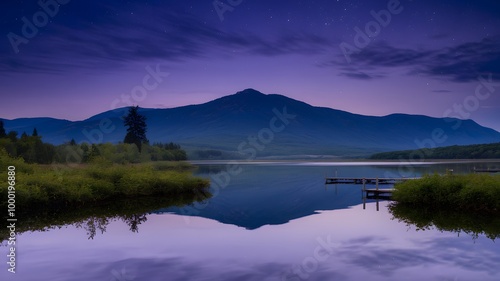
point(461, 63)
point(441, 91)
point(360, 75)
point(166, 35)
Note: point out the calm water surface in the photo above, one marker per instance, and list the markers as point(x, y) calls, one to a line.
point(268, 221)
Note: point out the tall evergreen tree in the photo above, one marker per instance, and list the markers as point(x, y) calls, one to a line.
point(3, 134)
point(35, 133)
point(12, 136)
point(136, 128)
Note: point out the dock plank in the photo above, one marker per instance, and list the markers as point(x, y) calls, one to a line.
point(379, 191)
point(337, 180)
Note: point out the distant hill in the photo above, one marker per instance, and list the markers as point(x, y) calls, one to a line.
point(477, 151)
point(223, 126)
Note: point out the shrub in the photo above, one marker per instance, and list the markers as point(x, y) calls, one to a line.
point(474, 192)
point(98, 181)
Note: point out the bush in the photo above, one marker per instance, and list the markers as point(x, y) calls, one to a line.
point(6, 161)
point(474, 192)
point(99, 181)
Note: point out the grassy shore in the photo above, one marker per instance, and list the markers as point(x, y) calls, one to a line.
point(470, 192)
point(58, 186)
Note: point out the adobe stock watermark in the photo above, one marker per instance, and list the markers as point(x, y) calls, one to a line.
point(150, 82)
point(122, 275)
point(225, 6)
point(250, 149)
point(455, 115)
point(11, 221)
point(30, 28)
point(372, 29)
point(471, 103)
point(309, 265)
point(138, 93)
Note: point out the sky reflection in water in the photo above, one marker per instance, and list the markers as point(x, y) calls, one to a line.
point(361, 244)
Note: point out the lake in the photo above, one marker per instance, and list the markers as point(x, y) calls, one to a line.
point(266, 221)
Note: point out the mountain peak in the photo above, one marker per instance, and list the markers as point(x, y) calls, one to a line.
point(247, 98)
point(249, 91)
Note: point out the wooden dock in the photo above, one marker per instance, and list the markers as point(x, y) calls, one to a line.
point(377, 192)
point(369, 193)
point(365, 181)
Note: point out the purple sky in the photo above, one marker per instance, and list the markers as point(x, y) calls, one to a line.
point(88, 54)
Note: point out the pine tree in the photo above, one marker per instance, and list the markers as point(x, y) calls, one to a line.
point(12, 136)
point(35, 133)
point(3, 134)
point(136, 131)
point(94, 152)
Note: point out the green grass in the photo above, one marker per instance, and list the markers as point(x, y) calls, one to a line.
point(57, 186)
point(469, 192)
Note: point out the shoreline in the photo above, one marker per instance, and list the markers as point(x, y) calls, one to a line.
point(339, 161)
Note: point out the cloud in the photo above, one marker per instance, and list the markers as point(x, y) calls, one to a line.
point(155, 34)
point(441, 91)
point(444, 252)
point(388, 56)
point(465, 62)
point(461, 63)
point(358, 75)
point(177, 268)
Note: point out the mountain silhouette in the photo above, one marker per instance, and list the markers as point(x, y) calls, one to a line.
point(227, 123)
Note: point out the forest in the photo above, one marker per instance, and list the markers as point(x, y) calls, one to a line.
point(71, 175)
point(32, 149)
point(477, 151)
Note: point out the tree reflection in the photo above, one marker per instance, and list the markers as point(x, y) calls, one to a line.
point(134, 220)
point(472, 224)
point(92, 224)
point(94, 220)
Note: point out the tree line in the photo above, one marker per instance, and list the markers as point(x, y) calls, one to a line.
point(30, 148)
point(134, 149)
point(476, 151)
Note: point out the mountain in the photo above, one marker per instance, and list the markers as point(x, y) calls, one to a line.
point(278, 125)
